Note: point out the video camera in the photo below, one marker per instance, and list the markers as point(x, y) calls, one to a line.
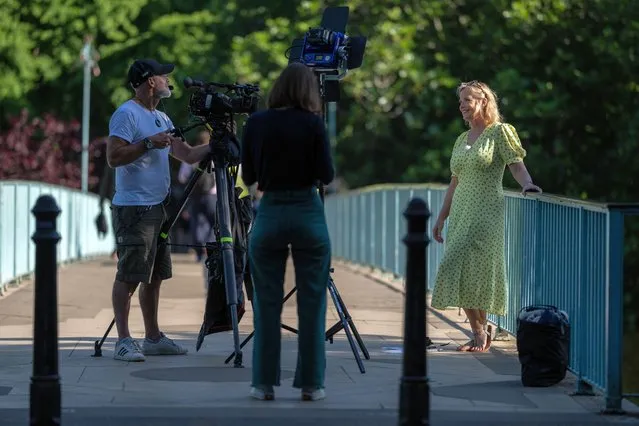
point(215, 110)
point(329, 51)
point(209, 104)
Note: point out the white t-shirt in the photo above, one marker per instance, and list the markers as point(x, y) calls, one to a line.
point(147, 180)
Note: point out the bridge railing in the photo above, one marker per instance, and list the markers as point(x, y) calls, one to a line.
point(76, 225)
point(559, 251)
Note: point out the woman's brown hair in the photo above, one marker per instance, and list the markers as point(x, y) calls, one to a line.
point(296, 86)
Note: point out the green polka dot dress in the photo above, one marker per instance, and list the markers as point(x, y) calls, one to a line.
point(472, 273)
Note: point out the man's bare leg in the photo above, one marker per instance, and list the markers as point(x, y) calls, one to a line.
point(155, 342)
point(150, 302)
point(121, 300)
point(126, 348)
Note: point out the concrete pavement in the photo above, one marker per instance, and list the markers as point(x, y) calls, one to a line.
point(200, 389)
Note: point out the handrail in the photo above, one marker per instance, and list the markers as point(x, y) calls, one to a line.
point(551, 198)
point(76, 225)
point(561, 251)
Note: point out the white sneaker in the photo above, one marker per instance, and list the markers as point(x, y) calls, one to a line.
point(313, 394)
point(263, 393)
point(128, 349)
point(164, 346)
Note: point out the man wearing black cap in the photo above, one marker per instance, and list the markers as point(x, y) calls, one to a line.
point(138, 148)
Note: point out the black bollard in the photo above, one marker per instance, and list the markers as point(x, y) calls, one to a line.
point(414, 397)
point(45, 382)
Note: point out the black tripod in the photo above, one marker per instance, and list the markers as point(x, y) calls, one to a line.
point(223, 158)
point(345, 321)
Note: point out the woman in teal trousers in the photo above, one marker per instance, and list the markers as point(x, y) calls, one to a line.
point(286, 151)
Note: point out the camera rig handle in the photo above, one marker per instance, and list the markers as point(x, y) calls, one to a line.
point(246, 88)
point(180, 131)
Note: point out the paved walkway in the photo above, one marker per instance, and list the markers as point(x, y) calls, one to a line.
point(200, 389)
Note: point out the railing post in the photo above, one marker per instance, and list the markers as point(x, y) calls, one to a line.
point(414, 400)
point(45, 397)
point(537, 253)
point(384, 233)
point(396, 267)
point(614, 311)
point(582, 388)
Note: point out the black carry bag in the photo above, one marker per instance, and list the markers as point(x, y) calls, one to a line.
point(217, 316)
point(543, 343)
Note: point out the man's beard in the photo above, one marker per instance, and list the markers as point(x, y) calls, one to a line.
point(165, 93)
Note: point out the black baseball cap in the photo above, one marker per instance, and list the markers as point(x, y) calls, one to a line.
point(142, 69)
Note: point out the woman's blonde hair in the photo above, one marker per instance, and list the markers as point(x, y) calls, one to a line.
point(297, 86)
point(490, 113)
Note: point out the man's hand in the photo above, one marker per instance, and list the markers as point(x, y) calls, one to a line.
point(163, 139)
point(177, 133)
point(231, 126)
point(186, 153)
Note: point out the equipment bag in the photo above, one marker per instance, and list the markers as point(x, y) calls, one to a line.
point(543, 343)
point(217, 315)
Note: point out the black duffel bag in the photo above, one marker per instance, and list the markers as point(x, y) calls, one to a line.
point(217, 315)
point(543, 343)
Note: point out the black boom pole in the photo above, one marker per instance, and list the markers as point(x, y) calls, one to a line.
point(414, 399)
point(45, 382)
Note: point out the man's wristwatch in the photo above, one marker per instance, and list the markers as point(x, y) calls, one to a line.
point(148, 144)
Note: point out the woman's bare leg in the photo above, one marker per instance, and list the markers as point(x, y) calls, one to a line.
point(481, 332)
point(471, 314)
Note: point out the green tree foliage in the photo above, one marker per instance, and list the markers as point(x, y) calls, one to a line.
point(564, 70)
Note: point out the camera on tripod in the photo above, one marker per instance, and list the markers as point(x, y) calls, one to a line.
point(209, 104)
point(215, 110)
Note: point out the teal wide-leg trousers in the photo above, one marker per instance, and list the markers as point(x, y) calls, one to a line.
point(296, 218)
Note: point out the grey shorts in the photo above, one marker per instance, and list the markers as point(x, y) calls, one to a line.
point(137, 229)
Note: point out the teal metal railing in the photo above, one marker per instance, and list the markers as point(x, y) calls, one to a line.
point(76, 225)
point(559, 251)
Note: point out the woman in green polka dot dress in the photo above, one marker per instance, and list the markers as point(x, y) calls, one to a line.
point(472, 274)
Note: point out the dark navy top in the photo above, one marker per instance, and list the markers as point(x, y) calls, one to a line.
point(286, 149)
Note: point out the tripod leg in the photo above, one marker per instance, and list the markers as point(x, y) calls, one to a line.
point(236, 337)
point(344, 322)
point(289, 328)
point(244, 342)
point(288, 296)
point(225, 190)
point(337, 327)
point(99, 343)
point(250, 336)
point(360, 342)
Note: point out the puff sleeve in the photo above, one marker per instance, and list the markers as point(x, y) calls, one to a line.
point(455, 164)
point(509, 145)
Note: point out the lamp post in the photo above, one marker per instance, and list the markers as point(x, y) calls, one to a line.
point(89, 57)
